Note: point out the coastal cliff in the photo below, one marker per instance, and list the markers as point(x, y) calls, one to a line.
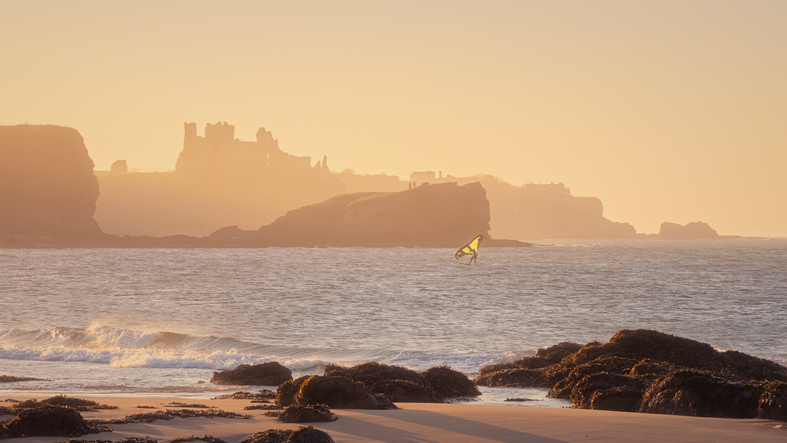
point(47, 187)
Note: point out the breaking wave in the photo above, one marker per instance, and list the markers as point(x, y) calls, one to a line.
point(125, 348)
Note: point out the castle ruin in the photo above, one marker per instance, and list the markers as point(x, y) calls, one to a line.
point(220, 154)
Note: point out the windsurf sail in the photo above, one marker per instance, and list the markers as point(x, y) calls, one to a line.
point(471, 248)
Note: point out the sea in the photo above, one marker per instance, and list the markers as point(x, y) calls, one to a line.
point(154, 322)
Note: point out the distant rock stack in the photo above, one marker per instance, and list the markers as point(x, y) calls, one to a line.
point(444, 215)
point(692, 231)
point(47, 186)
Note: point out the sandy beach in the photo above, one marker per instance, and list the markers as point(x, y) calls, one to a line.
point(419, 422)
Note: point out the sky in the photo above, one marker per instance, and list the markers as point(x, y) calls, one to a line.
point(666, 111)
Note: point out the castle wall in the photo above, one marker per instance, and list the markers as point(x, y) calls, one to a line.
point(220, 155)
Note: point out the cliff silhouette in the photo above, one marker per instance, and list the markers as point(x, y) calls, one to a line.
point(47, 187)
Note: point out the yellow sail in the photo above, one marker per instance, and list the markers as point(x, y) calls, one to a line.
point(471, 248)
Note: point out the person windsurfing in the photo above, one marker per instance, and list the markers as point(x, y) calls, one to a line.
point(470, 248)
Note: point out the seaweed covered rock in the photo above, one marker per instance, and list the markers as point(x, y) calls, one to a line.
point(339, 393)
point(64, 401)
point(556, 353)
point(48, 421)
point(449, 383)
point(695, 393)
point(650, 371)
point(607, 365)
point(306, 414)
point(514, 377)
point(406, 391)
point(773, 401)
point(304, 434)
point(372, 372)
point(287, 391)
point(528, 371)
point(400, 384)
point(265, 374)
point(641, 344)
point(604, 390)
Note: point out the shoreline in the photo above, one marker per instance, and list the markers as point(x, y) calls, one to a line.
point(422, 422)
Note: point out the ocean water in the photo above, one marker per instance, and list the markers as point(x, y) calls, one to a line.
point(155, 321)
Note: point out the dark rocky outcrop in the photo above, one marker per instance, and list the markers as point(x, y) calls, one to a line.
point(47, 421)
point(400, 384)
point(339, 393)
point(443, 215)
point(264, 374)
point(406, 391)
point(335, 392)
point(449, 383)
point(306, 414)
point(47, 186)
point(689, 392)
point(692, 231)
point(773, 401)
point(287, 391)
point(304, 434)
point(649, 371)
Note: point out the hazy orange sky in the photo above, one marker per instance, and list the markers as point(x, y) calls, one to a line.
point(665, 110)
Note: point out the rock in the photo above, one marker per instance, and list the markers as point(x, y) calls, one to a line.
point(556, 353)
point(688, 392)
point(406, 391)
point(616, 398)
point(444, 215)
point(564, 387)
point(525, 371)
point(265, 374)
point(304, 434)
point(692, 231)
point(47, 421)
point(604, 390)
point(773, 401)
point(269, 436)
point(307, 434)
point(396, 383)
point(47, 186)
point(306, 414)
point(514, 377)
point(339, 393)
point(400, 384)
point(653, 369)
point(449, 383)
point(287, 391)
point(372, 372)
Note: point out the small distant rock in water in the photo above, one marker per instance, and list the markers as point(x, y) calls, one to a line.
point(521, 399)
point(265, 374)
point(692, 231)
